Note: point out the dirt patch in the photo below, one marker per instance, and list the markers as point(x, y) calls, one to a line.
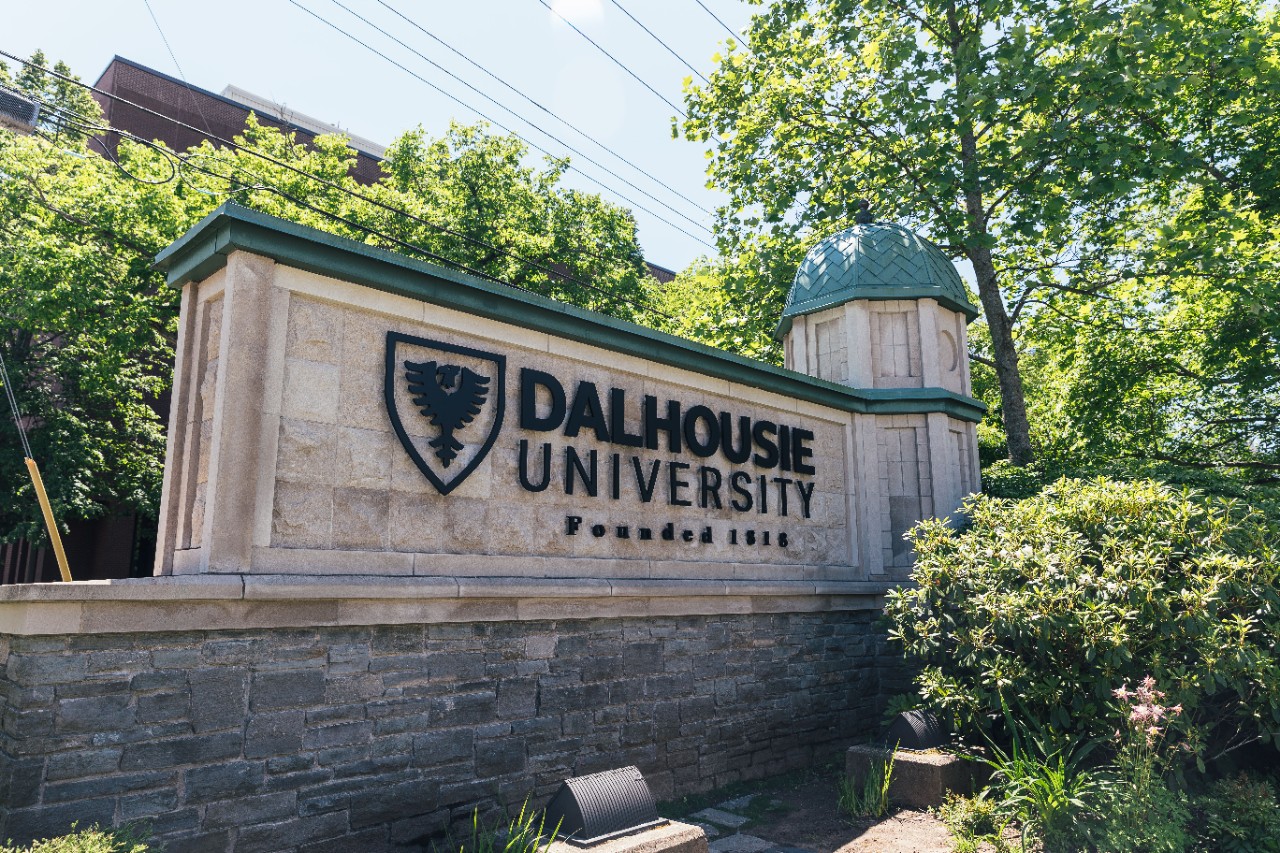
point(799, 812)
point(809, 819)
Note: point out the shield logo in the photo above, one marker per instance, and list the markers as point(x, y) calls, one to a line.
point(445, 403)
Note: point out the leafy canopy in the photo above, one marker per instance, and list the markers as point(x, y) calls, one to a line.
point(89, 326)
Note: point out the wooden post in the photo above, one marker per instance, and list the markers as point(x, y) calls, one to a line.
point(54, 536)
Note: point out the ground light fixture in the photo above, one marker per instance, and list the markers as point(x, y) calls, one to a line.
point(594, 808)
point(916, 730)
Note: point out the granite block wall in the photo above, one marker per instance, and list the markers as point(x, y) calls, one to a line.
point(376, 738)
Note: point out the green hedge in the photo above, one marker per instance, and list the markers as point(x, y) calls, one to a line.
point(1053, 601)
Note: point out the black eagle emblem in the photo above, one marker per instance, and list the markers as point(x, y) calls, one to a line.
point(451, 396)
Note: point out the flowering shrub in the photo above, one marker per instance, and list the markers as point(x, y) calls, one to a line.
point(1053, 600)
point(1143, 812)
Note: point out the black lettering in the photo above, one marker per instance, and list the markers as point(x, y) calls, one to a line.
point(733, 536)
point(571, 524)
point(530, 381)
point(760, 432)
point(805, 496)
point(751, 537)
point(618, 420)
point(676, 484)
point(782, 540)
point(705, 538)
point(738, 481)
point(696, 445)
point(709, 480)
point(784, 447)
point(686, 535)
point(615, 486)
point(782, 482)
point(762, 494)
point(645, 534)
point(623, 532)
point(740, 454)
point(572, 463)
point(801, 451)
point(597, 530)
point(670, 424)
point(765, 539)
point(525, 482)
point(669, 532)
point(646, 489)
point(586, 412)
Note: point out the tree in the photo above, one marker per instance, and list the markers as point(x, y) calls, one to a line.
point(1001, 128)
point(89, 326)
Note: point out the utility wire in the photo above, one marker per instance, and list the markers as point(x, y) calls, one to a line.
point(177, 64)
point(727, 29)
point(554, 274)
point(13, 407)
point(540, 106)
point(504, 127)
point(654, 36)
point(507, 109)
point(615, 60)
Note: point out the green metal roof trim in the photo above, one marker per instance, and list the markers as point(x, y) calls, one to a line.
point(204, 249)
point(873, 261)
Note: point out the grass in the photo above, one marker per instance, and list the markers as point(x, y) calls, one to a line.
point(871, 798)
point(523, 834)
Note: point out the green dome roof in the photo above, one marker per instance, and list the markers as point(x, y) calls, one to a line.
point(873, 261)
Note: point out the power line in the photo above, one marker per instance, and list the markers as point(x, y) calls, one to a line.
point(176, 64)
point(499, 124)
point(654, 36)
point(614, 59)
point(552, 273)
point(718, 21)
point(502, 106)
point(535, 103)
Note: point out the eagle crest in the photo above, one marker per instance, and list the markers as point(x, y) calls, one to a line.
point(450, 396)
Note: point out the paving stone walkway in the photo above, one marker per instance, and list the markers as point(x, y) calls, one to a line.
point(723, 823)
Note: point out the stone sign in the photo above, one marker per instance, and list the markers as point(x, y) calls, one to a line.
point(343, 410)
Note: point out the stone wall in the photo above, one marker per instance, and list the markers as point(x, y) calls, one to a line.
point(372, 738)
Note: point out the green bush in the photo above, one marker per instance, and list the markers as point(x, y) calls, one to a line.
point(1050, 603)
point(1156, 822)
point(973, 822)
point(91, 840)
point(1240, 816)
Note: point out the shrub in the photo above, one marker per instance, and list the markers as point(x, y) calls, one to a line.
point(1048, 603)
point(1043, 784)
point(974, 821)
point(1240, 816)
point(91, 840)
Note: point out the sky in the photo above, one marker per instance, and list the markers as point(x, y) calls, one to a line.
point(275, 49)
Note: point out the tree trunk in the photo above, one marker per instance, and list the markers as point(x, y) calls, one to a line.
point(965, 47)
point(1013, 404)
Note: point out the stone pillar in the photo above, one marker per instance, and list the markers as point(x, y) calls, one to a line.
point(226, 340)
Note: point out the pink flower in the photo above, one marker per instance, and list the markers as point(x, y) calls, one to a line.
point(1121, 693)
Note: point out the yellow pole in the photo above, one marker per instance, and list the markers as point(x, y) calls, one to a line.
point(54, 536)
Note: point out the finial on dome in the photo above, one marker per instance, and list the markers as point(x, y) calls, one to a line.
point(863, 216)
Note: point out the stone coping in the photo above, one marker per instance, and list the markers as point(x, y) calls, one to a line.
point(204, 249)
point(242, 602)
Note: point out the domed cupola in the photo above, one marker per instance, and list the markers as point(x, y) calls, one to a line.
point(878, 306)
point(873, 260)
